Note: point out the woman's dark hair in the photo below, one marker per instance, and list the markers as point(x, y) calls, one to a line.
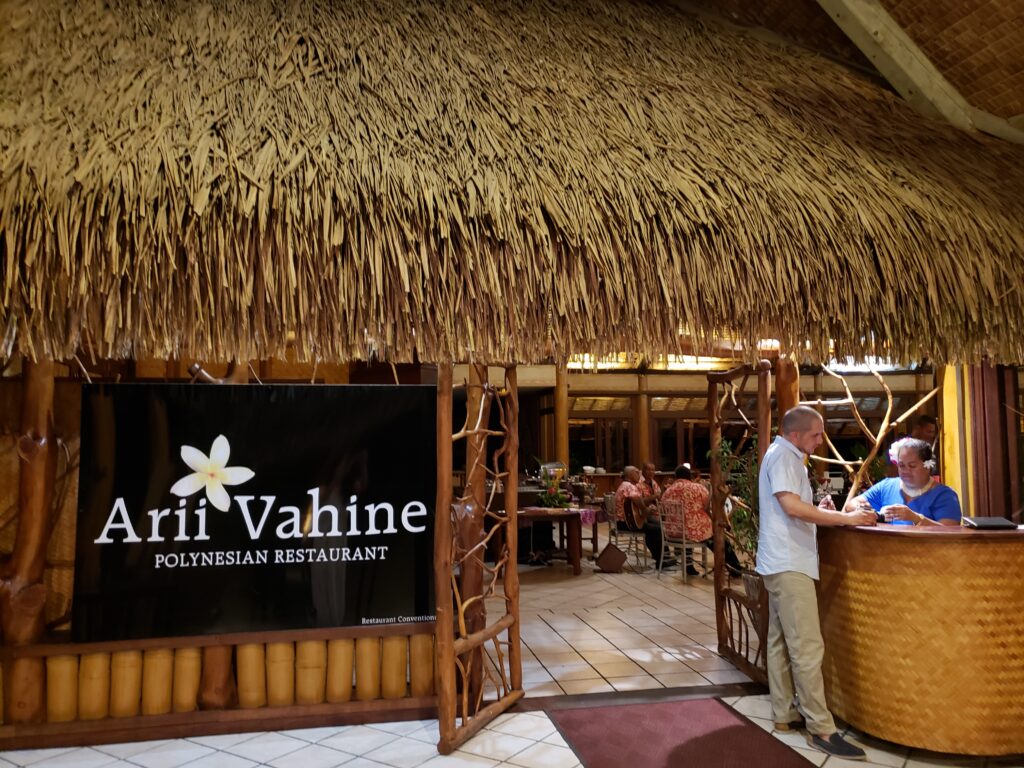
point(683, 472)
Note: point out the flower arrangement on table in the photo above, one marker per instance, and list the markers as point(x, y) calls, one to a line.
point(553, 495)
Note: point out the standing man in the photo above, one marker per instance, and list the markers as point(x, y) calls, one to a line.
point(787, 558)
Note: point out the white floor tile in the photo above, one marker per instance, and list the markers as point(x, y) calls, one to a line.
point(402, 727)
point(545, 756)
point(358, 740)
point(311, 735)
point(77, 758)
point(403, 753)
point(171, 754)
point(222, 760)
point(496, 746)
point(363, 762)
point(266, 746)
point(311, 756)
point(754, 707)
point(428, 733)
point(125, 750)
point(460, 760)
point(527, 725)
point(221, 740)
point(26, 757)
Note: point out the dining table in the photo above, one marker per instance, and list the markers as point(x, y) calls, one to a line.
point(572, 519)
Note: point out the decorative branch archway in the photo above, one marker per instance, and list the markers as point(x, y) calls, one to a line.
point(472, 658)
point(741, 616)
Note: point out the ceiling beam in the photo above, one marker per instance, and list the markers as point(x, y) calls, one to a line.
point(900, 61)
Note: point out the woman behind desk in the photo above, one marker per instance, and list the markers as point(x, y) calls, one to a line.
point(915, 496)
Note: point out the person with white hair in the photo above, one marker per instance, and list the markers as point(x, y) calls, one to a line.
point(915, 496)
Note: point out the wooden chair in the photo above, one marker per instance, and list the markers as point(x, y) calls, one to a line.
point(636, 542)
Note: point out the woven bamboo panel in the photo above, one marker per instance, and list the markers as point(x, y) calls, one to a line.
point(923, 637)
point(978, 46)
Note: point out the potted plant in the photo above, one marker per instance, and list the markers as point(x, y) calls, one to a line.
point(740, 475)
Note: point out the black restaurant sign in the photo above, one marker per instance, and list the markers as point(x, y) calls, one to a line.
point(210, 509)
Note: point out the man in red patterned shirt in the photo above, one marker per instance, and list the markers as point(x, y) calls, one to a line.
point(696, 501)
point(634, 488)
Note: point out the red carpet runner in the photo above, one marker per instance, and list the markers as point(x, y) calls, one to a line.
point(675, 734)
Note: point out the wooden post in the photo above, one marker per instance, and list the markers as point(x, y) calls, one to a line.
point(787, 386)
point(562, 414)
point(717, 512)
point(515, 659)
point(764, 408)
point(444, 627)
point(22, 596)
point(642, 423)
point(471, 581)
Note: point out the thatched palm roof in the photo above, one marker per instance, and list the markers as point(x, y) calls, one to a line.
point(184, 179)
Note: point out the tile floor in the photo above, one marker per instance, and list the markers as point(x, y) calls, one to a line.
point(594, 633)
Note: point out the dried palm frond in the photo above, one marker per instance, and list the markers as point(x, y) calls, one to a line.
point(475, 179)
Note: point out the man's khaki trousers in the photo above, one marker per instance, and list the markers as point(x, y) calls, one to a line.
point(795, 651)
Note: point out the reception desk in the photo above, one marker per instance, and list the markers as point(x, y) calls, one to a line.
point(924, 635)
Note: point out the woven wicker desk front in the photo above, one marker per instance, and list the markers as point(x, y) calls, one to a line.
point(924, 635)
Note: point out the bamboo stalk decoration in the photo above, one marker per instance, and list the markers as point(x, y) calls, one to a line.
point(22, 595)
point(218, 688)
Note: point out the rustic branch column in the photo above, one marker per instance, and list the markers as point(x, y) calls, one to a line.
point(562, 414)
point(22, 595)
point(764, 408)
point(444, 628)
point(717, 510)
point(471, 579)
point(515, 654)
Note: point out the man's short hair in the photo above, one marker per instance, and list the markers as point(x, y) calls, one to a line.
point(683, 472)
point(925, 420)
point(799, 419)
point(628, 470)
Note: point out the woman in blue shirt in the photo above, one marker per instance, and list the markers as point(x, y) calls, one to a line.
point(915, 495)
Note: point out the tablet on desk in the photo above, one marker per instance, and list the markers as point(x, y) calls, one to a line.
point(990, 523)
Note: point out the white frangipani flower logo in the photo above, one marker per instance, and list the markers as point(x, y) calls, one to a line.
point(211, 472)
